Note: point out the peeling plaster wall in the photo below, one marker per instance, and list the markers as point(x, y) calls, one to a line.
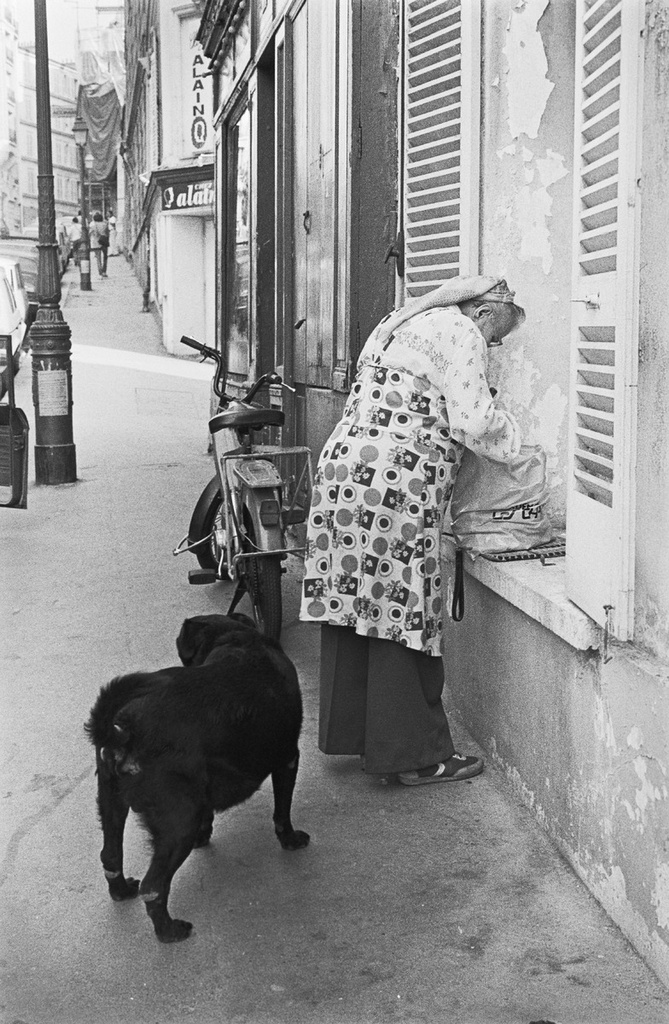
point(526, 214)
point(652, 548)
point(584, 743)
point(585, 746)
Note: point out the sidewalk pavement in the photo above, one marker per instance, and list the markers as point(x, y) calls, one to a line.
point(438, 905)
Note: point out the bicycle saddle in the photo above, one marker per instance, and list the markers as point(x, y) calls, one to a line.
point(250, 417)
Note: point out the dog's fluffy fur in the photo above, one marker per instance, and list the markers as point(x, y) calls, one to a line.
point(179, 744)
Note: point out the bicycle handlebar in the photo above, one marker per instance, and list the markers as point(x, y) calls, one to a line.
point(211, 353)
point(199, 347)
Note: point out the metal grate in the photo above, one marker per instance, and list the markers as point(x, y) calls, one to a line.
point(554, 549)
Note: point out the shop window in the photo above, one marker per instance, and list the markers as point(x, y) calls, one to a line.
point(238, 237)
point(314, 186)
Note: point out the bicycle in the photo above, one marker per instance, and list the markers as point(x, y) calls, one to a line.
point(238, 529)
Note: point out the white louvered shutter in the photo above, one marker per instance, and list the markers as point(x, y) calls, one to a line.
point(441, 141)
point(600, 504)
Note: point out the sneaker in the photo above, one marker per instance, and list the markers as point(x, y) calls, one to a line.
point(455, 769)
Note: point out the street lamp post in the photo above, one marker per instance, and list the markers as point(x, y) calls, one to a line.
point(55, 453)
point(80, 132)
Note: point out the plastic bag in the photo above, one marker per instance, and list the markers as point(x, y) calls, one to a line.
point(499, 506)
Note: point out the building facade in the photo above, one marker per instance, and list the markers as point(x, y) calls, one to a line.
point(10, 193)
point(367, 151)
point(63, 87)
point(168, 153)
point(306, 172)
point(101, 97)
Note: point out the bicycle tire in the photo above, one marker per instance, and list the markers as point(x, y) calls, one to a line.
point(263, 584)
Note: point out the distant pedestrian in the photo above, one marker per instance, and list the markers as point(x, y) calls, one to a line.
point(74, 236)
point(113, 236)
point(99, 241)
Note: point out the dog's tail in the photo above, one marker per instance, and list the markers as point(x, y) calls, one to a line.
point(101, 727)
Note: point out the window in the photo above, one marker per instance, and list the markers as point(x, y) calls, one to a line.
point(600, 508)
point(29, 74)
point(237, 312)
point(8, 294)
point(441, 130)
point(314, 186)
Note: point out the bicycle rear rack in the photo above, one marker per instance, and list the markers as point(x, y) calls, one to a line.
point(291, 514)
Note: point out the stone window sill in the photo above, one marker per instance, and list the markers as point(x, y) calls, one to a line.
point(537, 590)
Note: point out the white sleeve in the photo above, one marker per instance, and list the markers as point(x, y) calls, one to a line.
point(474, 421)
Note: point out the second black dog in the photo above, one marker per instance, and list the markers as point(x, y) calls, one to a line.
point(179, 744)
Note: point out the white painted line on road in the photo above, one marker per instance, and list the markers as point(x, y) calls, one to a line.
point(169, 365)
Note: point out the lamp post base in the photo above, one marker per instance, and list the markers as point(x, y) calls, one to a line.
point(55, 459)
point(55, 464)
point(85, 276)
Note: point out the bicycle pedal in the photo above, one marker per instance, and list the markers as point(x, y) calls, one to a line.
point(201, 576)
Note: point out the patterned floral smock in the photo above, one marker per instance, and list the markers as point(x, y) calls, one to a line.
point(386, 474)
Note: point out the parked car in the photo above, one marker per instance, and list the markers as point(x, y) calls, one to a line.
point(27, 309)
point(11, 320)
point(24, 251)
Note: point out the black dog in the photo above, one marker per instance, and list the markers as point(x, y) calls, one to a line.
point(179, 744)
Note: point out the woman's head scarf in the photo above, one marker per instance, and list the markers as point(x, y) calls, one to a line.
point(450, 293)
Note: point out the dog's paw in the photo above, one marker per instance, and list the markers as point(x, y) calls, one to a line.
point(174, 931)
point(295, 840)
point(123, 888)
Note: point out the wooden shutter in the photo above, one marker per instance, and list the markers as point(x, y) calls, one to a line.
point(441, 141)
point(600, 506)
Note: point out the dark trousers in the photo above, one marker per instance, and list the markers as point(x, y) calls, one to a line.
point(383, 700)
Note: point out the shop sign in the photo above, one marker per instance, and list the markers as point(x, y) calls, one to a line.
point(194, 86)
point(198, 127)
point(188, 195)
